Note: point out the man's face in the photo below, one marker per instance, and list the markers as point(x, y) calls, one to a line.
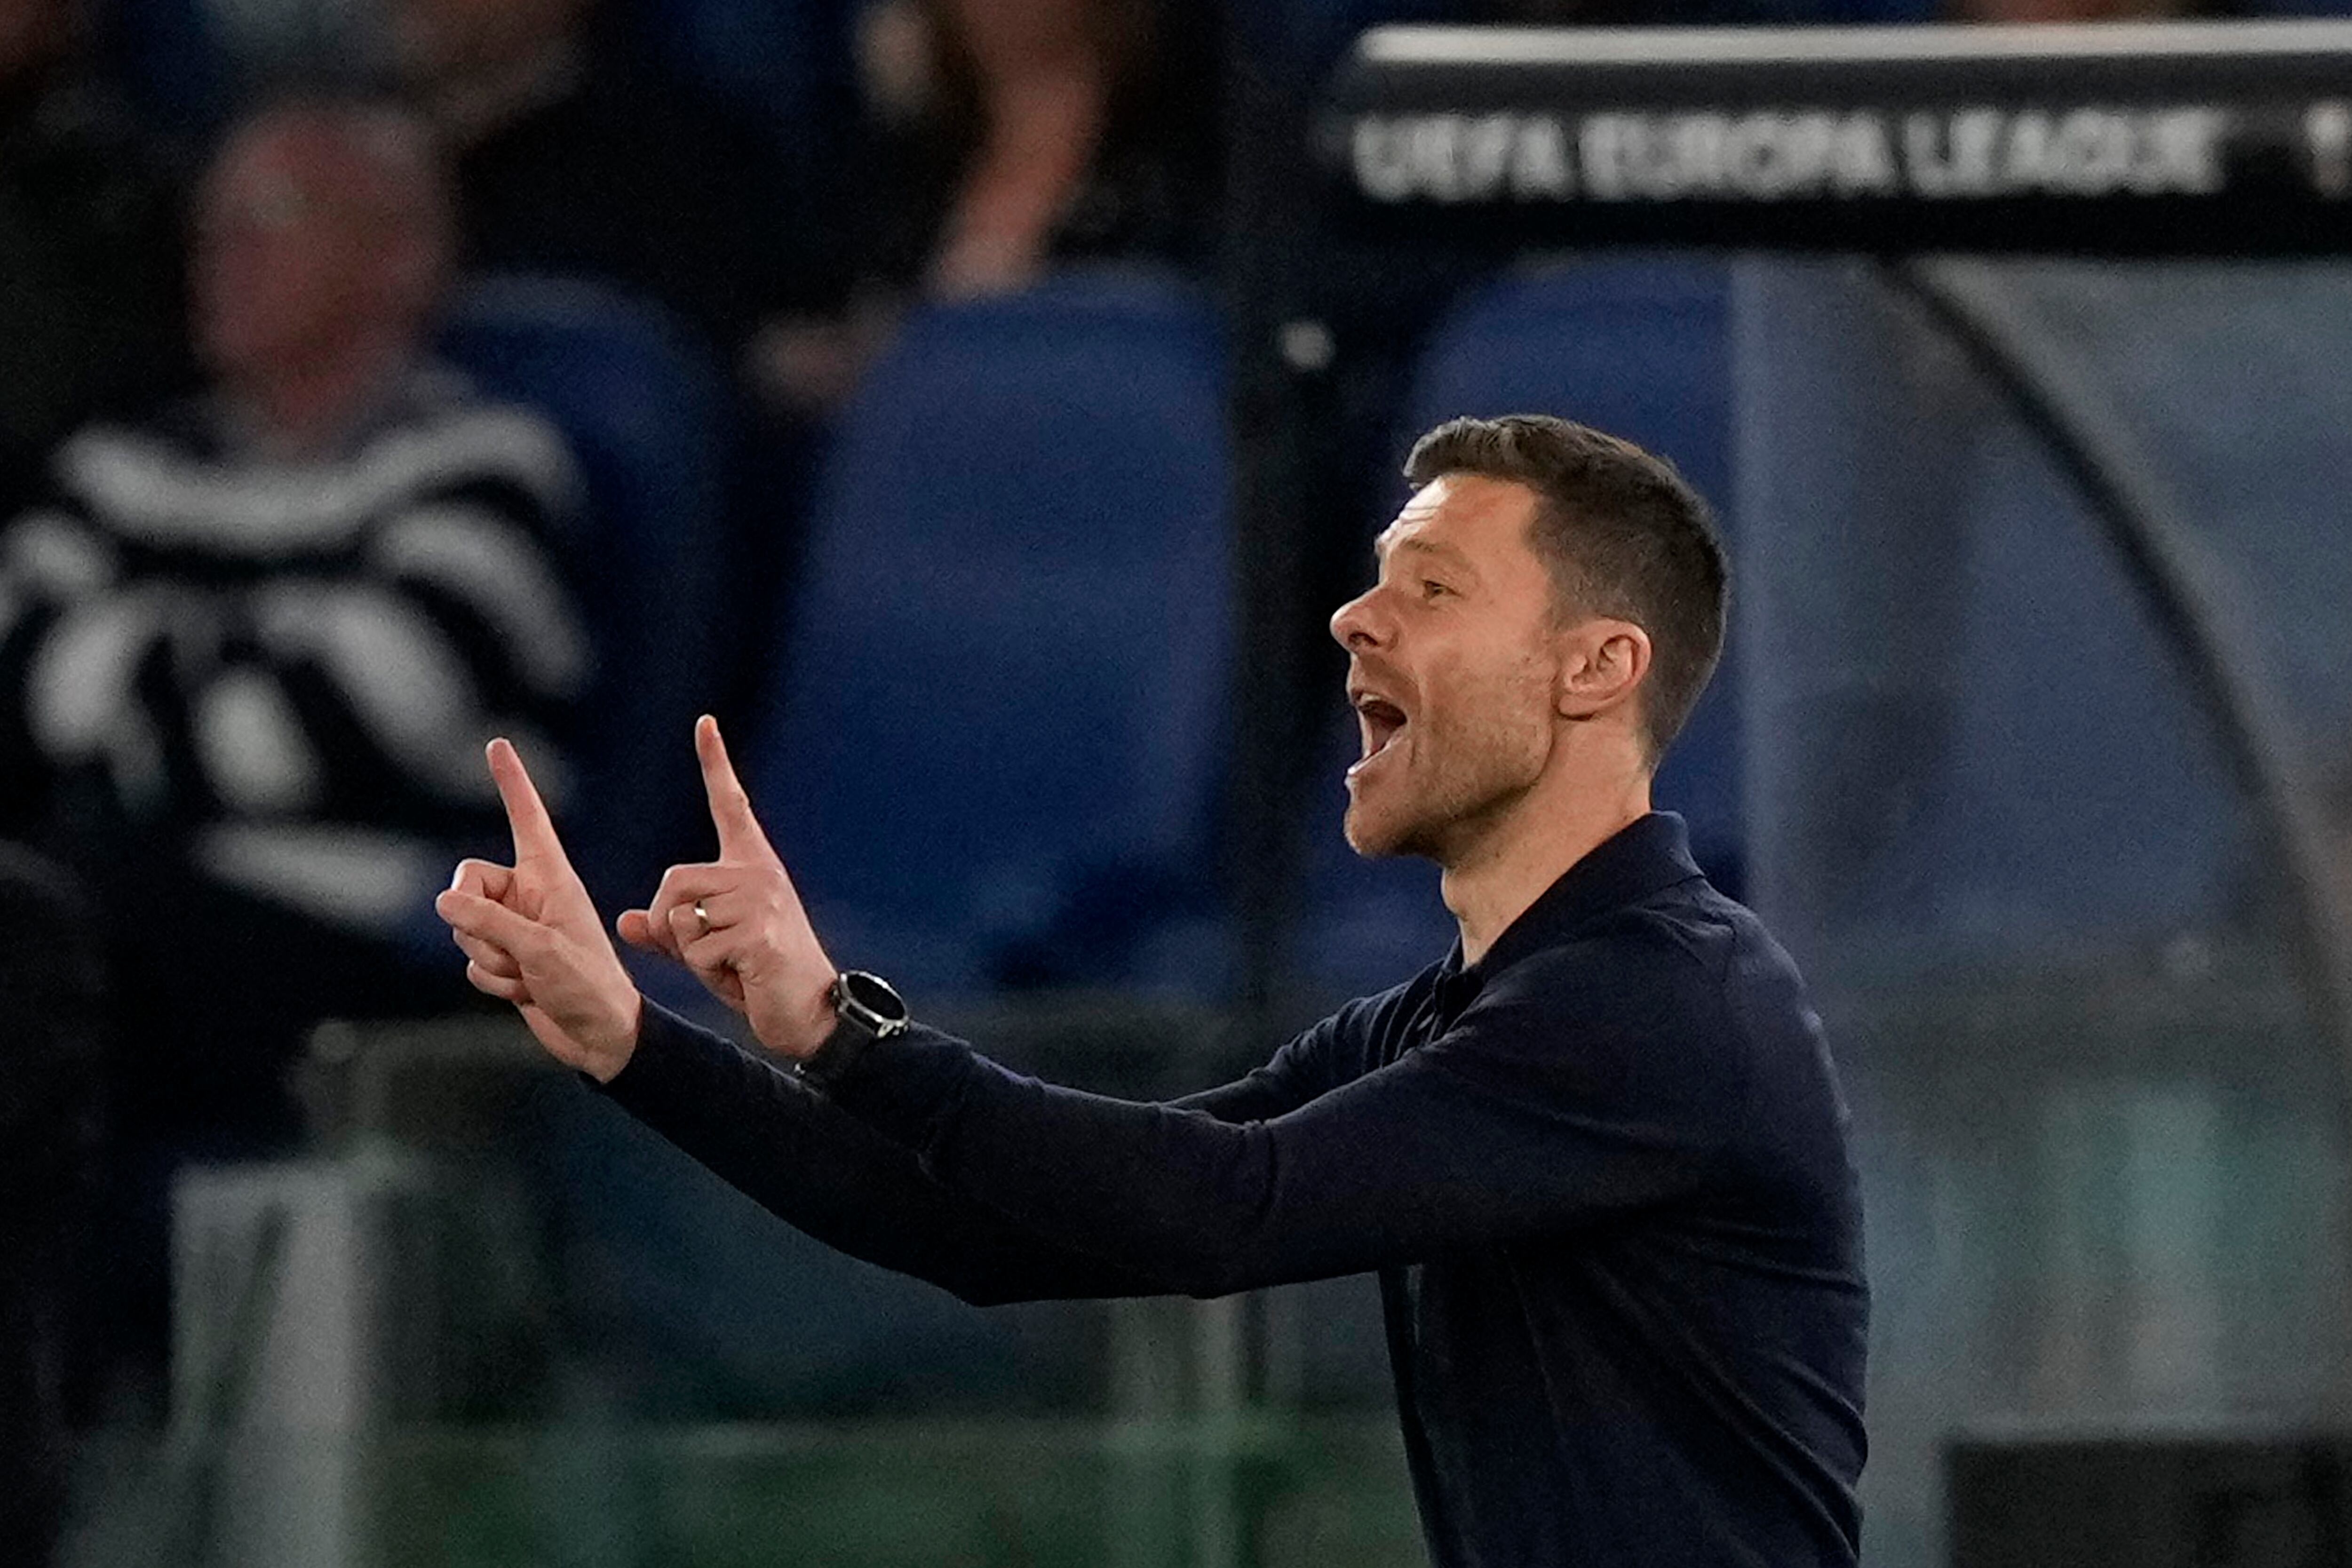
point(1453, 663)
point(289, 253)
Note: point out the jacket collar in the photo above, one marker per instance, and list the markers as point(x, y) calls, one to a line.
point(1646, 856)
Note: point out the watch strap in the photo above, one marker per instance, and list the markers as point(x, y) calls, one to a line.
point(839, 1053)
point(866, 1009)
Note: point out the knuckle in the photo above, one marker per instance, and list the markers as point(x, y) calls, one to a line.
point(677, 879)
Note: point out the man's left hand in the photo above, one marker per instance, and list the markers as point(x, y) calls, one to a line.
point(738, 921)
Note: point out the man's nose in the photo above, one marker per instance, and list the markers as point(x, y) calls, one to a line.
point(1354, 623)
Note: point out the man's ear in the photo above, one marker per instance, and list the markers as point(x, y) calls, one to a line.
point(1601, 665)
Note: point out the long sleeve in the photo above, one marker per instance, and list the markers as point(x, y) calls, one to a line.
point(1530, 1115)
point(829, 1174)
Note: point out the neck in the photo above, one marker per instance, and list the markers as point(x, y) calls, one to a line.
point(1491, 882)
point(306, 411)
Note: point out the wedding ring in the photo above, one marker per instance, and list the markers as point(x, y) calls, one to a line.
point(704, 916)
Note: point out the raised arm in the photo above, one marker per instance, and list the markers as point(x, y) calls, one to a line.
point(531, 937)
point(826, 1173)
point(829, 1174)
point(1524, 1120)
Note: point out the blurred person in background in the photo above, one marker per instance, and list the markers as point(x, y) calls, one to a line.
point(249, 649)
point(89, 302)
point(573, 157)
point(1052, 130)
point(1005, 136)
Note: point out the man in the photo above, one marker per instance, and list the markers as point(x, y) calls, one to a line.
point(248, 654)
point(1597, 1155)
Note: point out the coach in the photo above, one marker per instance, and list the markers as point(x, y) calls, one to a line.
point(1597, 1154)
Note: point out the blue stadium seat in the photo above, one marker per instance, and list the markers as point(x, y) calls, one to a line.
point(991, 757)
point(645, 410)
point(1639, 347)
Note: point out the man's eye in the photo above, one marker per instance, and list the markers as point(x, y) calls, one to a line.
point(1431, 588)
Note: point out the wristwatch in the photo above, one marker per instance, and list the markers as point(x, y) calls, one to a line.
point(866, 1008)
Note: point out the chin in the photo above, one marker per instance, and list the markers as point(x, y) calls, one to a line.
point(1363, 833)
point(1375, 836)
point(230, 351)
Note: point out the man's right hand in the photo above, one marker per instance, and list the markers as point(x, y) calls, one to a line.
point(531, 937)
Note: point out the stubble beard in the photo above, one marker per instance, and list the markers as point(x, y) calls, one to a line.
point(1453, 790)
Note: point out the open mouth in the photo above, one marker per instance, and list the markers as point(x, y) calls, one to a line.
point(1382, 722)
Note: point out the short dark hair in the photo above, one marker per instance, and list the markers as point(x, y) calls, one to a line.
point(1623, 534)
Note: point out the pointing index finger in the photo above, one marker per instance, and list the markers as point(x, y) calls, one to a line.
point(740, 832)
point(534, 830)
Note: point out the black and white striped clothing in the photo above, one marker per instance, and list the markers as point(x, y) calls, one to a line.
point(286, 670)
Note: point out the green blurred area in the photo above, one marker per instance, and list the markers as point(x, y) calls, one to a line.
point(1025, 1494)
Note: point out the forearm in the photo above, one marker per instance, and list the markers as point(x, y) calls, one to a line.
point(831, 1176)
point(1165, 1192)
point(1442, 1149)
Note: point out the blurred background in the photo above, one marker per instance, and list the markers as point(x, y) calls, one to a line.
point(980, 405)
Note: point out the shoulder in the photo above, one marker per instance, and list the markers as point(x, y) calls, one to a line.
point(111, 466)
point(444, 408)
point(1660, 961)
point(1678, 1012)
point(444, 437)
point(1659, 1000)
point(174, 485)
point(1688, 949)
point(1763, 1039)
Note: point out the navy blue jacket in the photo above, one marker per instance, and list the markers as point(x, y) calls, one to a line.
point(1602, 1176)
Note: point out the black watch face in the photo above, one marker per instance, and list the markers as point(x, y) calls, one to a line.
point(874, 994)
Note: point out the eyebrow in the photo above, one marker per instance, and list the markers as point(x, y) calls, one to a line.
point(1444, 552)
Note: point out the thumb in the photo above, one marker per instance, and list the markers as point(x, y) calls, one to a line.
point(487, 920)
point(740, 836)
